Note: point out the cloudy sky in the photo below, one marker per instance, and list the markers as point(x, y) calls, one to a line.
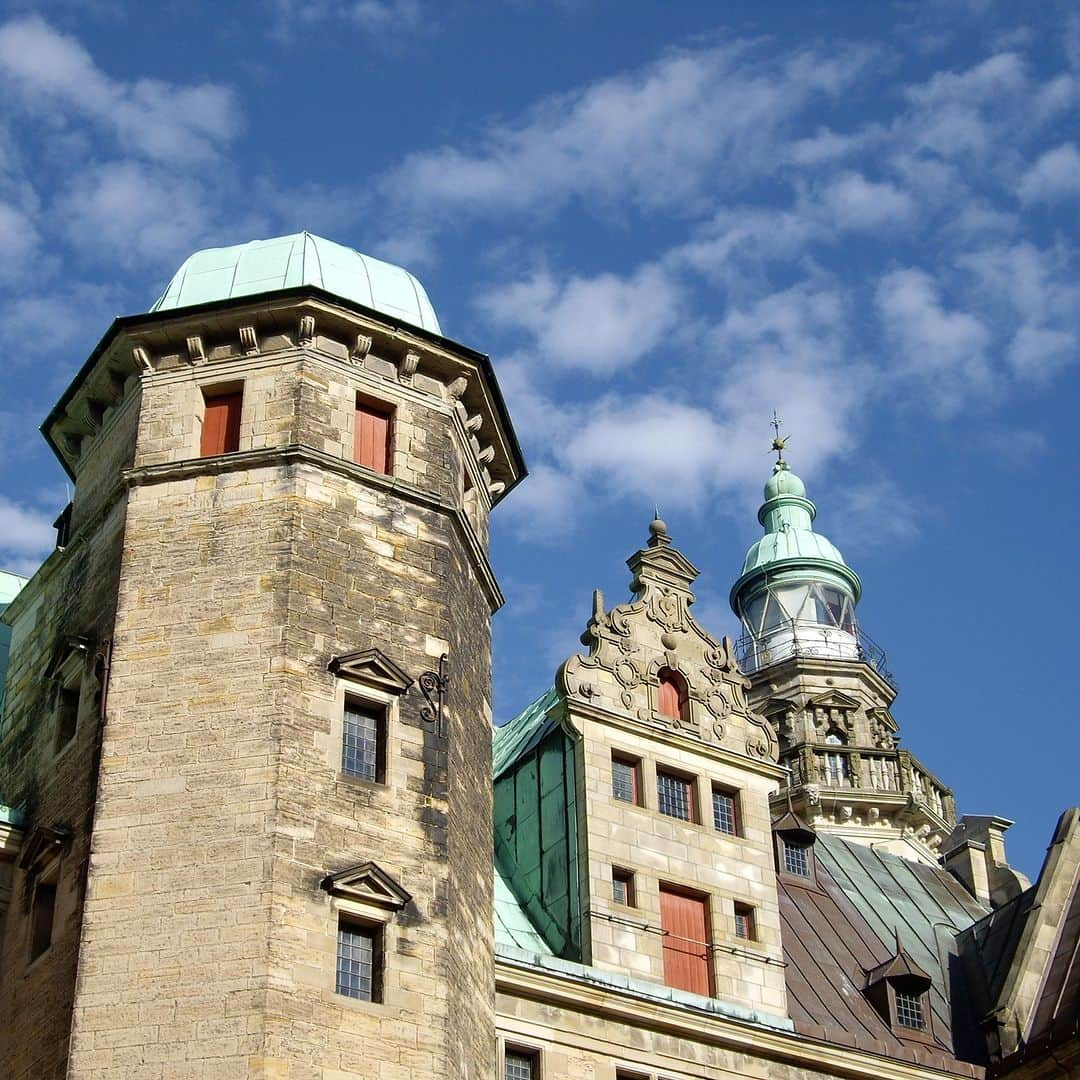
point(663, 221)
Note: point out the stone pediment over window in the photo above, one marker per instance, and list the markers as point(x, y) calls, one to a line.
point(42, 843)
point(368, 884)
point(371, 667)
point(834, 699)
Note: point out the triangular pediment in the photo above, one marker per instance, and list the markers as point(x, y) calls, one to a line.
point(902, 968)
point(664, 565)
point(41, 844)
point(373, 668)
point(834, 699)
point(777, 707)
point(369, 884)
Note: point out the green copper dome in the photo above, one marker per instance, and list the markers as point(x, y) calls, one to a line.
point(790, 548)
point(301, 259)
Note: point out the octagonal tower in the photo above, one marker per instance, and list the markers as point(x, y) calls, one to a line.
point(249, 697)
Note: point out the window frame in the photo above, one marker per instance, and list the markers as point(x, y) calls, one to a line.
point(691, 789)
point(524, 1050)
point(736, 810)
point(747, 914)
point(216, 391)
point(626, 877)
point(636, 776)
point(377, 932)
point(365, 704)
point(387, 411)
point(45, 876)
point(67, 702)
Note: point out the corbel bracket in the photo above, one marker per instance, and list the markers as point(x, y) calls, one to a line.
point(433, 685)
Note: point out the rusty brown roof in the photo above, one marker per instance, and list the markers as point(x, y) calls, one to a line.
point(836, 934)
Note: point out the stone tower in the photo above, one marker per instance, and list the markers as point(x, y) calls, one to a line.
point(825, 686)
point(249, 705)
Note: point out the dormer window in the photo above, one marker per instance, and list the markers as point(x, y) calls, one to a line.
point(796, 858)
point(897, 989)
point(794, 841)
point(674, 696)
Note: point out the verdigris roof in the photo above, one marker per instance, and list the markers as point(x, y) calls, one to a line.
point(526, 731)
point(285, 262)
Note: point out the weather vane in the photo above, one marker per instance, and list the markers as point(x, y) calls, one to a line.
point(778, 444)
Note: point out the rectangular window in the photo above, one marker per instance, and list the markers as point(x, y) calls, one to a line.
point(522, 1065)
point(622, 887)
point(685, 923)
point(221, 422)
point(363, 741)
point(675, 796)
point(67, 715)
point(744, 922)
point(796, 860)
point(373, 435)
point(626, 779)
point(359, 961)
point(42, 914)
point(625, 1074)
point(909, 1011)
point(725, 812)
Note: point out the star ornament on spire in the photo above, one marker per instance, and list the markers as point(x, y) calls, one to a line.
point(778, 444)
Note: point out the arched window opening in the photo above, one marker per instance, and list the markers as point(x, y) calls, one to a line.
point(835, 737)
point(674, 695)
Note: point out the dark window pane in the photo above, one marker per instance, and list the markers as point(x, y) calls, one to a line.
point(723, 811)
point(744, 922)
point(357, 960)
point(361, 752)
point(42, 918)
point(624, 780)
point(909, 1011)
point(673, 796)
point(622, 887)
point(520, 1066)
point(795, 860)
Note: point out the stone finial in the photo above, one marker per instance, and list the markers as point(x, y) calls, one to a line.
point(658, 531)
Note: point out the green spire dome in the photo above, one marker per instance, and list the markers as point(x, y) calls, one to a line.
point(790, 542)
point(285, 262)
point(794, 581)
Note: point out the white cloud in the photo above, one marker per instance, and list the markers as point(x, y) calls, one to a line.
point(1038, 352)
point(873, 515)
point(369, 16)
point(946, 351)
point(694, 121)
point(597, 324)
point(162, 121)
point(135, 213)
point(19, 241)
point(23, 532)
point(1055, 176)
point(855, 203)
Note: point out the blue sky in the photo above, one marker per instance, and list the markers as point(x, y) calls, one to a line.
point(663, 221)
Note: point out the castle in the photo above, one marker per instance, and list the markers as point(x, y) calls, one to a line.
point(255, 819)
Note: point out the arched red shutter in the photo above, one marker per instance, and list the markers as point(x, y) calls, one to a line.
point(674, 694)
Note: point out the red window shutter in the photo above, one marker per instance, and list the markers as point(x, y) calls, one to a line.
point(372, 437)
point(674, 694)
point(686, 955)
point(221, 424)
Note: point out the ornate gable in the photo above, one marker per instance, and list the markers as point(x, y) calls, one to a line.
point(632, 644)
point(368, 884)
point(373, 668)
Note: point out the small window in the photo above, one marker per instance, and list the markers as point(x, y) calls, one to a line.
point(43, 912)
point(626, 779)
point(363, 741)
point(626, 1074)
point(725, 809)
point(221, 421)
point(796, 859)
point(522, 1065)
point(675, 795)
point(359, 961)
point(909, 1011)
point(67, 715)
point(674, 695)
point(373, 424)
point(622, 887)
point(744, 922)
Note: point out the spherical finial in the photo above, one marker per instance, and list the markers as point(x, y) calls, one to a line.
point(658, 527)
